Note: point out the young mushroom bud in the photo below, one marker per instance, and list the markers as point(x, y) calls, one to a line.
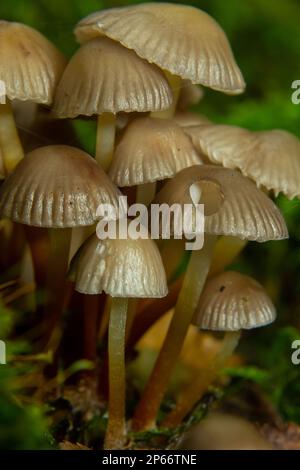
point(122, 268)
point(30, 68)
point(230, 302)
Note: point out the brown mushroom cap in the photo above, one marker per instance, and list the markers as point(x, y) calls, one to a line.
point(104, 76)
point(56, 186)
point(30, 65)
point(232, 301)
point(270, 158)
point(181, 39)
point(120, 268)
point(246, 212)
point(151, 149)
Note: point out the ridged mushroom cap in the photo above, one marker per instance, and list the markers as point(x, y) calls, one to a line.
point(120, 268)
point(190, 95)
point(56, 186)
point(151, 149)
point(232, 301)
point(104, 76)
point(181, 39)
point(270, 158)
point(246, 212)
point(30, 65)
point(188, 119)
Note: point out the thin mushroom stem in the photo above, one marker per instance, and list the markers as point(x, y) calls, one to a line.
point(106, 133)
point(146, 192)
point(194, 391)
point(226, 250)
point(60, 240)
point(116, 429)
point(194, 280)
point(12, 151)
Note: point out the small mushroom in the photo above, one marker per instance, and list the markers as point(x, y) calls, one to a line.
point(104, 78)
point(230, 302)
point(60, 188)
point(30, 68)
point(190, 95)
point(180, 39)
point(244, 212)
point(270, 158)
point(122, 268)
point(150, 150)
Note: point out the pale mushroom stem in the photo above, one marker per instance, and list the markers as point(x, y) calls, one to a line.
point(12, 151)
point(116, 429)
point(226, 250)
point(106, 133)
point(194, 391)
point(146, 192)
point(194, 280)
point(60, 239)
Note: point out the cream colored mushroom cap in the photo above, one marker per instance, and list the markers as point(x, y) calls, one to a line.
point(232, 301)
point(56, 186)
point(270, 158)
point(104, 76)
point(246, 212)
point(120, 268)
point(181, 39)
point(151, 149)
point(30, 65)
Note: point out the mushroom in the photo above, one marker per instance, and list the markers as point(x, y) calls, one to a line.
point(122, 268)
point(104, 78)
point(60, 188)
point(150, 150)
point(230, 302)
point(182, 40)
point(246, 213)
point(29, 70)
point(190, 95)
point(270, 158)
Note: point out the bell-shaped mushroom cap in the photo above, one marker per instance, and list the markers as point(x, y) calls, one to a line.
point(120, 268)
point(246, 212)
point(181, 39)
point(57, 186)
point(151, 149)
point(190, 95)
point(30, 65)
point(232, 301)
point(188, 119)
point(104, 76)
point(270, 158)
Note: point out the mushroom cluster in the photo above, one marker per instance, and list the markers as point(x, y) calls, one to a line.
point(136, 72)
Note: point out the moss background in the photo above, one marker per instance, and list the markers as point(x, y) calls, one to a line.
point(265, 38)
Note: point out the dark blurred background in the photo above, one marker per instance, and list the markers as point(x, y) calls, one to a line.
point(265, 38)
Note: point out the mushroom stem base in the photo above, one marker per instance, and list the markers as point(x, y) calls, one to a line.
point(194, 391)
point(116, 429)
point(195, 277)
